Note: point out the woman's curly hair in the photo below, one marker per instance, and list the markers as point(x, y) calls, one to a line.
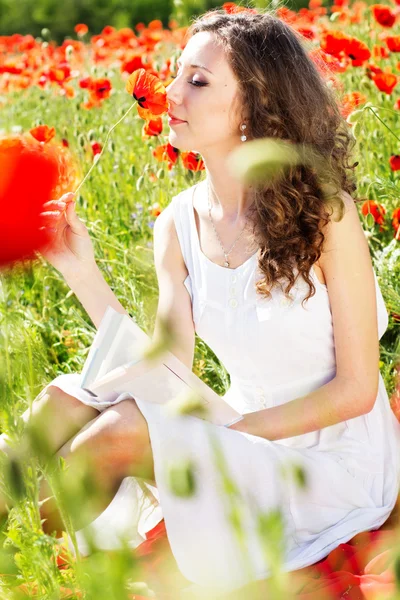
point(282, 94)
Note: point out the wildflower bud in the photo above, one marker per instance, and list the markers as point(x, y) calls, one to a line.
point(160, 173)
point(102, 128)
point(96, 158)
point(111, 146)
point(139, 182)
point(91, 135)
point(81, 140)
point(369, 220)
point(354, 116)
point(93, 70)
point(115, 184)
point(181, 478)
point(132, 170)
point(69, 50)
point(356, 129)
point(334, 16)
point(45, 33)
point(45, 45)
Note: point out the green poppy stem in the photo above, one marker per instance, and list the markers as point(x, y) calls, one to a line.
point(104, 145)
point(383, 123)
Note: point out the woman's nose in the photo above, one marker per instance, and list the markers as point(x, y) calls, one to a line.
point(173, 92)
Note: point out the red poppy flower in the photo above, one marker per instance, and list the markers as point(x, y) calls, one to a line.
point(394, 162)
point(396, 221)
point(155, 209)
point(383, 15)
point(100, 88)
point(60, 74)
point(153, 127)
point(334, 42)
point(350, 101)
point(32, 174)
point(192, 161)
point(378, 212)
point(43, 133)
point(85, 83)
point(81, 29)
point(385, 82)
point(96, 148)
point(166, 152)
point(148, 91)
point(357, 50)
point(393, 43)
point(133, 63)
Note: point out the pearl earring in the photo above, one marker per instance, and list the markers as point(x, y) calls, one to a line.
point(243, 127)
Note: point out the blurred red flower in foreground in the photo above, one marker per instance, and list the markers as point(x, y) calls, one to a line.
point(32, 173)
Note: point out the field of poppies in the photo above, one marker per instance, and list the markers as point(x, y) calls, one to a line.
point(58, 108)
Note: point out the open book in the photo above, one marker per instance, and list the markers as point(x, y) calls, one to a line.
point(116, 364)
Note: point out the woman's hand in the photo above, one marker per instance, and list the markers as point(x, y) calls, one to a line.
point(70, 246)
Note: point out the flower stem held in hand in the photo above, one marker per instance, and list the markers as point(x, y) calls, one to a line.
point(97, 157)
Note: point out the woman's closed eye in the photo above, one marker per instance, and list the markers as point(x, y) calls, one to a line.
point(193, 82)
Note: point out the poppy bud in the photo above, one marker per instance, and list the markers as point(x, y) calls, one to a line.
point(369, 220)
point(91, 134)
point(81, 140)
point(160, 173)
point(354, 116)
point(69, 50)
point(111, 146)
point(139, 182)
point(356, 129)
point(132, 170)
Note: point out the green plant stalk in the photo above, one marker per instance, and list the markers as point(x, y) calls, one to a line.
point(104, 146)
point(383, 123)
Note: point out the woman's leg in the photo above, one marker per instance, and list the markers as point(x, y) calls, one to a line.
point(57, 415)
point(113, 445)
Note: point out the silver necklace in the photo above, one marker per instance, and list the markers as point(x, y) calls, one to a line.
point(226, 254)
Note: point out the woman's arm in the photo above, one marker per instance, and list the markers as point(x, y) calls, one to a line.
point(92, 290)
point(348, 271)
point(71, 253)
point(174, 303)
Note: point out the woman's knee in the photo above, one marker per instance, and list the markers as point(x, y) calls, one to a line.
point(58, 415)
point(118, 436)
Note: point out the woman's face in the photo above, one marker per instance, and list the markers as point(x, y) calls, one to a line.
point(203, 98)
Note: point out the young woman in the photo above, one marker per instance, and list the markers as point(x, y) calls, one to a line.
point(285, 295)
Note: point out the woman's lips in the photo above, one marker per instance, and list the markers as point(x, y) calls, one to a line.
point(172, 121)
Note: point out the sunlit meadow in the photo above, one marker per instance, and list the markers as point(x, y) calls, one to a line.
point(79, 89)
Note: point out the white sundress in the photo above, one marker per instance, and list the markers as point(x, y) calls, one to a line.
point(275, 351)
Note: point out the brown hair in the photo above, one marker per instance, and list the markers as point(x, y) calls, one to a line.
point(283, 95)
